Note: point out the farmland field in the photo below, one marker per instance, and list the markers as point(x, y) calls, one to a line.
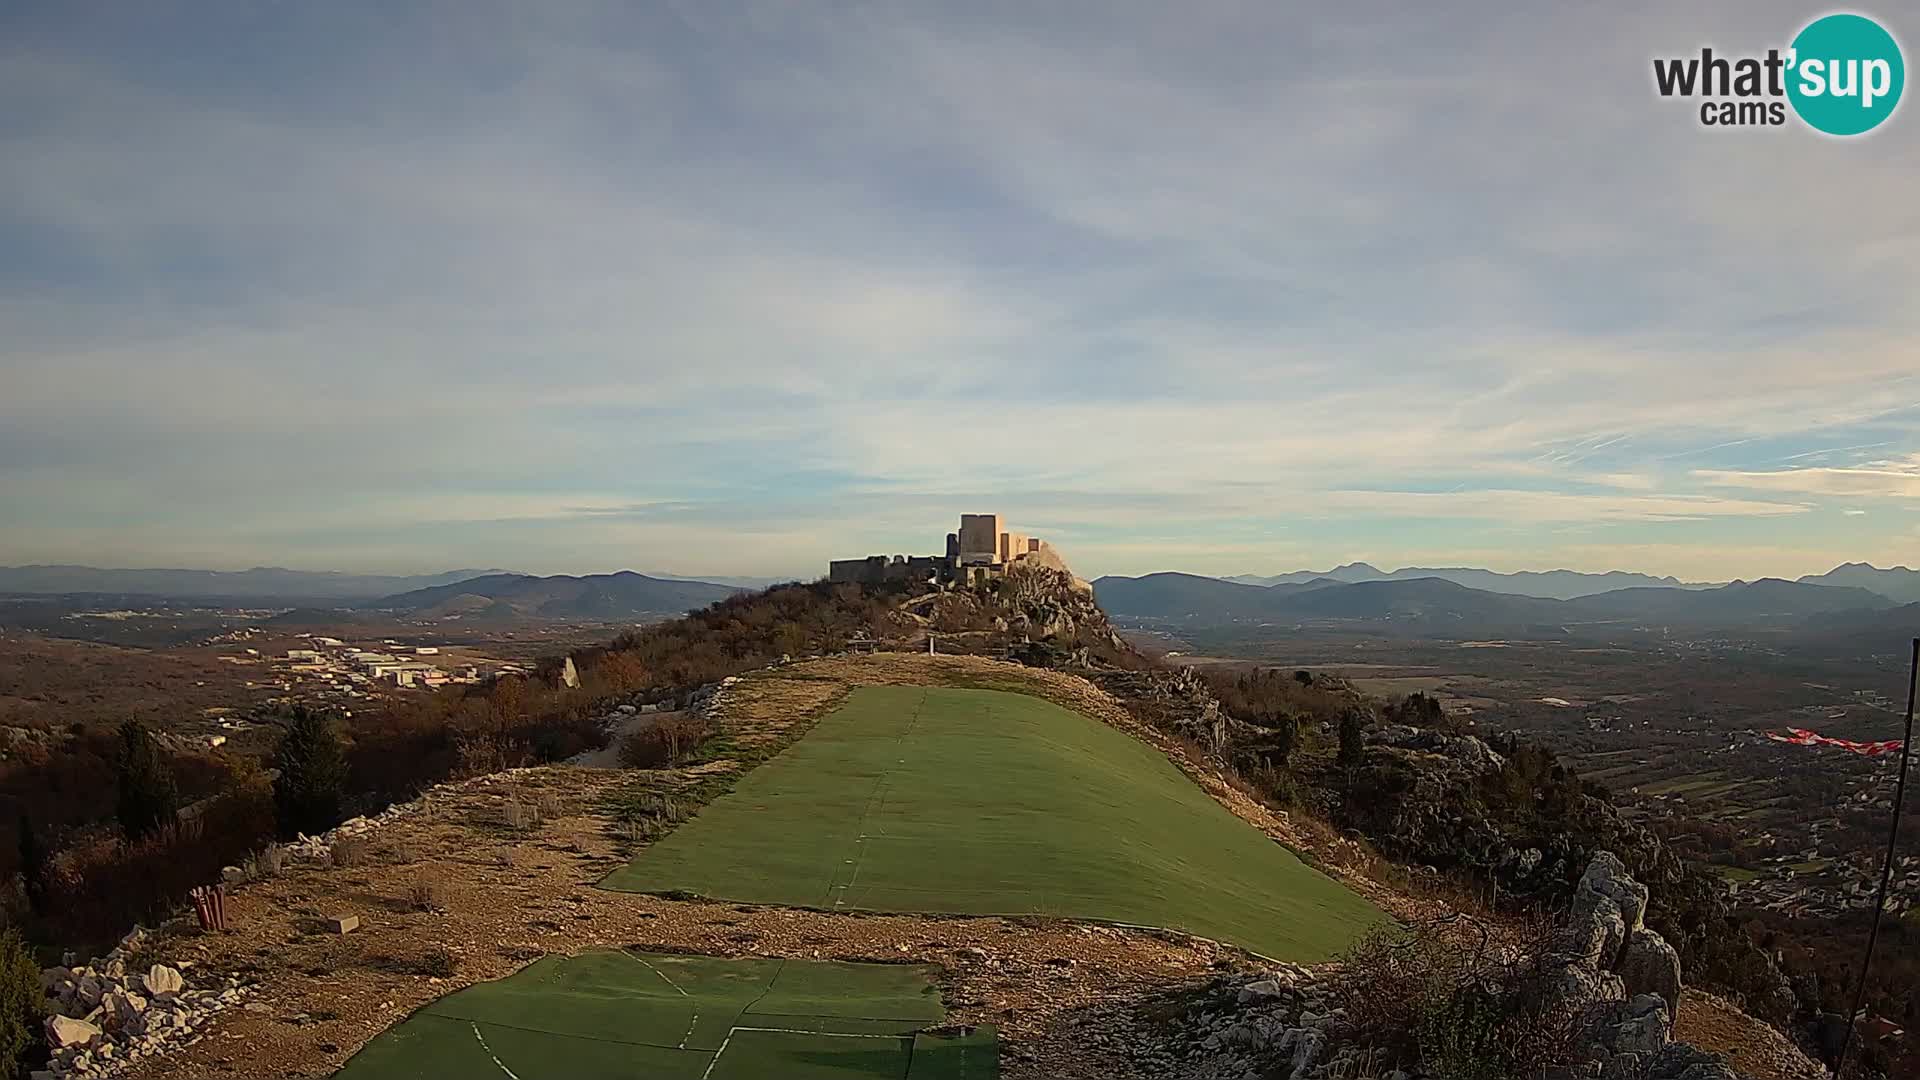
point(622, 1014)
point(980, 802)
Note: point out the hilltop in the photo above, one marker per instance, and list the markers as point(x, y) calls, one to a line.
point(1058, 912)
point(622, 595)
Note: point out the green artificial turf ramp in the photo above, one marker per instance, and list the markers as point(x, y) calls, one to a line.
point(982, 802)
point(608, 1015)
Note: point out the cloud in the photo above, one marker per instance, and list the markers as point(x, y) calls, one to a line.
point(769, 284)
point(1554, 506)
point(1887, 479)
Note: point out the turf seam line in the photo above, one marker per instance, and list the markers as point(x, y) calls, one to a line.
point(557, 1034)
point(731, 1032)
point(496, 1058)
point(691, 1024)
point(880, 790)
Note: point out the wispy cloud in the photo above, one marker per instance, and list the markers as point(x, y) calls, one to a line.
point(736, 287)
point(1887, 479)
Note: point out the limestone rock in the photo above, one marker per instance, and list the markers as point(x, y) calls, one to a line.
point(1607, 876)
point(65, 1031)
point(1648, 965)
point(163, 982)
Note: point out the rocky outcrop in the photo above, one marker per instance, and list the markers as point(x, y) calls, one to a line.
point(105, 1015)
point(1470, 752)
point(1180, 702)
point(1616, 982)
point(1622, 980)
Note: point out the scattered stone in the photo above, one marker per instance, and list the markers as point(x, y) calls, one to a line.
point(345, 924)
point(163, 982)
point(65, 1031)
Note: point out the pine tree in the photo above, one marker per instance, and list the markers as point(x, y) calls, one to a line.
point(22, 1003)
point(1350, 739)
point(313, 774)
point(149, 796)
point(33, 866)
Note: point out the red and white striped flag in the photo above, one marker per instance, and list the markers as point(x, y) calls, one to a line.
point(1803, 737)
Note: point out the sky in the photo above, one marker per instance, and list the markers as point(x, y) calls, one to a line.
point(703, 287)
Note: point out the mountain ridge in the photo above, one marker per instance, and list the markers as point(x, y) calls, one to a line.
point(622, 594)
point(1437, 600)
point(255, 583)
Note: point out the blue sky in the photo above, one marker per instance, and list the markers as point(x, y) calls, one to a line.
point(706, 287)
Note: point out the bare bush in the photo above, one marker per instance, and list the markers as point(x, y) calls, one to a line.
point(665, 743)
point(1449, 998)
point(427, 893)
point(521, 814)
point(349, 851)
point(647, 816)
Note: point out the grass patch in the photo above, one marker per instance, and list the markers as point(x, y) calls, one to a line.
point(991, 803)
point(677, 1017)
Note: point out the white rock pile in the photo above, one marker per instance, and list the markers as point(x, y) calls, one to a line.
point(106, 1015)
point(1284, 1023)
point(306, 848)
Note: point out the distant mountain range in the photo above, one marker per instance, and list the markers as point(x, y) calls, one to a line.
point(595, 596)
point(1436, 603)
point(1550, 584)
point(1898, 583)
point(262, 583)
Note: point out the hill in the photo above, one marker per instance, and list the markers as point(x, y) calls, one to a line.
point(1205, 600)
point(1431, 601)
point(1182, 596)
point(262, 583)
point(1897, 583)
point(1547, 584)
point(562, 596)
point(1741, 601)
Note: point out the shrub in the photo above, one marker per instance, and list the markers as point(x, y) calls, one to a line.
point(266, 864)
point(349, 851)
point(33, 867)
point(98, 889)
point(521, 815)
point(1352, 745)
point(665, 743)
point(1444, 999)
point(433, 962)
point(22, 1003)
point(427, 893)
point(149, 796)
point(313, 773)
point(646, 816)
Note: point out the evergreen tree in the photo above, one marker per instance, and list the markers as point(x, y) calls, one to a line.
point(1351, 743)
point(149, 796)
point(33, 866)
point(22, 1004)
point(313, 774)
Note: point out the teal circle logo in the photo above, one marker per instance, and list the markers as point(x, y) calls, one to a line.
point(1845, 74)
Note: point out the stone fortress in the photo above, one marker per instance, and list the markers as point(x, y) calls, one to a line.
point(982, 549)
